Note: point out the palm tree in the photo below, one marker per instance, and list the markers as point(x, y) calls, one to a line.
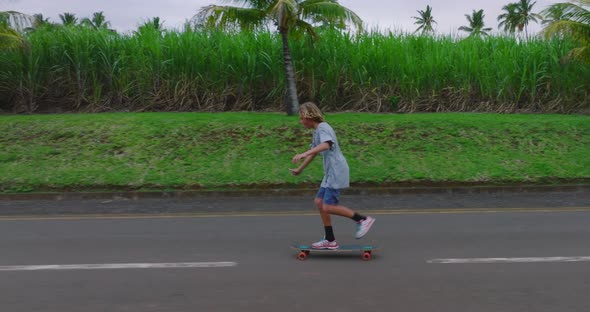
point(153, 24)
point(68, 19)
point(288, 16)
point(575, 23)
point(509, 19)
point(518, 16)
point(425, 20)
point(98, 21)
point(525, 10)
point(476, 24)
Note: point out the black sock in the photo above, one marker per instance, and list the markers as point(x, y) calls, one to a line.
point(357, 217)
point(329, 233)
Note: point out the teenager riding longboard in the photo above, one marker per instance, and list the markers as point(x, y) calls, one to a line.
point(336, 176)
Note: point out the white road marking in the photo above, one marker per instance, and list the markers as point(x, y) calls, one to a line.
point(110, 266)
point(510, 260)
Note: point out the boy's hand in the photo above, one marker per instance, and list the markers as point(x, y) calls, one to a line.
point(295, 171)
point(308, 158)
point(298, 158)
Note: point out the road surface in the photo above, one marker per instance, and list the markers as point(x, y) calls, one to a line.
point(434, 258)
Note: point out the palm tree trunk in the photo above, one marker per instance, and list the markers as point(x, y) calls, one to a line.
point(291, 101)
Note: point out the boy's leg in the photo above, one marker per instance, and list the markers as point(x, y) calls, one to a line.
point(329, 240)
point(339, 210)
point(326, 218)
point(331, 206)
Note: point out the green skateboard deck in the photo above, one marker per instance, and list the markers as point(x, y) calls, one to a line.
point(366, 250)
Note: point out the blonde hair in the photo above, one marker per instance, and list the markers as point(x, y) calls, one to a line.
point(311, 111)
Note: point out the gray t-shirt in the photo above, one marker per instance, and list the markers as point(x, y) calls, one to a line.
point(336, 172)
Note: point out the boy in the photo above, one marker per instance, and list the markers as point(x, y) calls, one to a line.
point(336, 175)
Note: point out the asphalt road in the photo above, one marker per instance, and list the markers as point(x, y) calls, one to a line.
point(512, 256)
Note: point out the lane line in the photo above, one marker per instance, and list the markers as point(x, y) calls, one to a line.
point(294, 213)
point(111, 266)
point(510, 260)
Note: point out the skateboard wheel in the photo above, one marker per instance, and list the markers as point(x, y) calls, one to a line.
point(366, 256)
point(302, 255)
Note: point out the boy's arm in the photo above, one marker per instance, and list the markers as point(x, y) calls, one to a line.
point(309, 156)
point(314, 151)
point(303, 165)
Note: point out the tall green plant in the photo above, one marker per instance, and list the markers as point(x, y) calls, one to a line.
point(82, 69)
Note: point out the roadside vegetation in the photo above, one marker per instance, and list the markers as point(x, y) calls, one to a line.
point(87, 70)
point(202, 151)
point(210, 66)
point(161, 92)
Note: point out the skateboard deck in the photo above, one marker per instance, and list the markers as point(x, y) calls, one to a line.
point(366, 250)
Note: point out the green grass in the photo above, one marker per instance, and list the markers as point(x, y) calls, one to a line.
point(186, 151)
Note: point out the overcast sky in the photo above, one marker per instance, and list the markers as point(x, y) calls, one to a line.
point(126, 15)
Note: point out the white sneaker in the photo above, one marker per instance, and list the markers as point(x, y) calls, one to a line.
point(325, 244)
point(363, 226)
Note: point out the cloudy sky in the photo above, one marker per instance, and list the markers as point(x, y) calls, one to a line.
point(126, 15)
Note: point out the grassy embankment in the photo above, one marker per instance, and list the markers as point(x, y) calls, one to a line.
point(171, 151)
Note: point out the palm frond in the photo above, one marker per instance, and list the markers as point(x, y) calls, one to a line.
point(576, 30)
point(227, 16)
point(574, 23)
point(10, 39)
point(283, 12)
point(329, 11)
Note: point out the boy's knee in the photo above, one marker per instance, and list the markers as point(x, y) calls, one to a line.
point(318, 203)
point(327, 208)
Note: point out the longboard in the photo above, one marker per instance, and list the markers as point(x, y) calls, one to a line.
point(366, 250)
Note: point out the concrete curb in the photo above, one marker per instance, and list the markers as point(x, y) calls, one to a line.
point(293, 192)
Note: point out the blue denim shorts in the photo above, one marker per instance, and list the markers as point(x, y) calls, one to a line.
point(328, 195)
